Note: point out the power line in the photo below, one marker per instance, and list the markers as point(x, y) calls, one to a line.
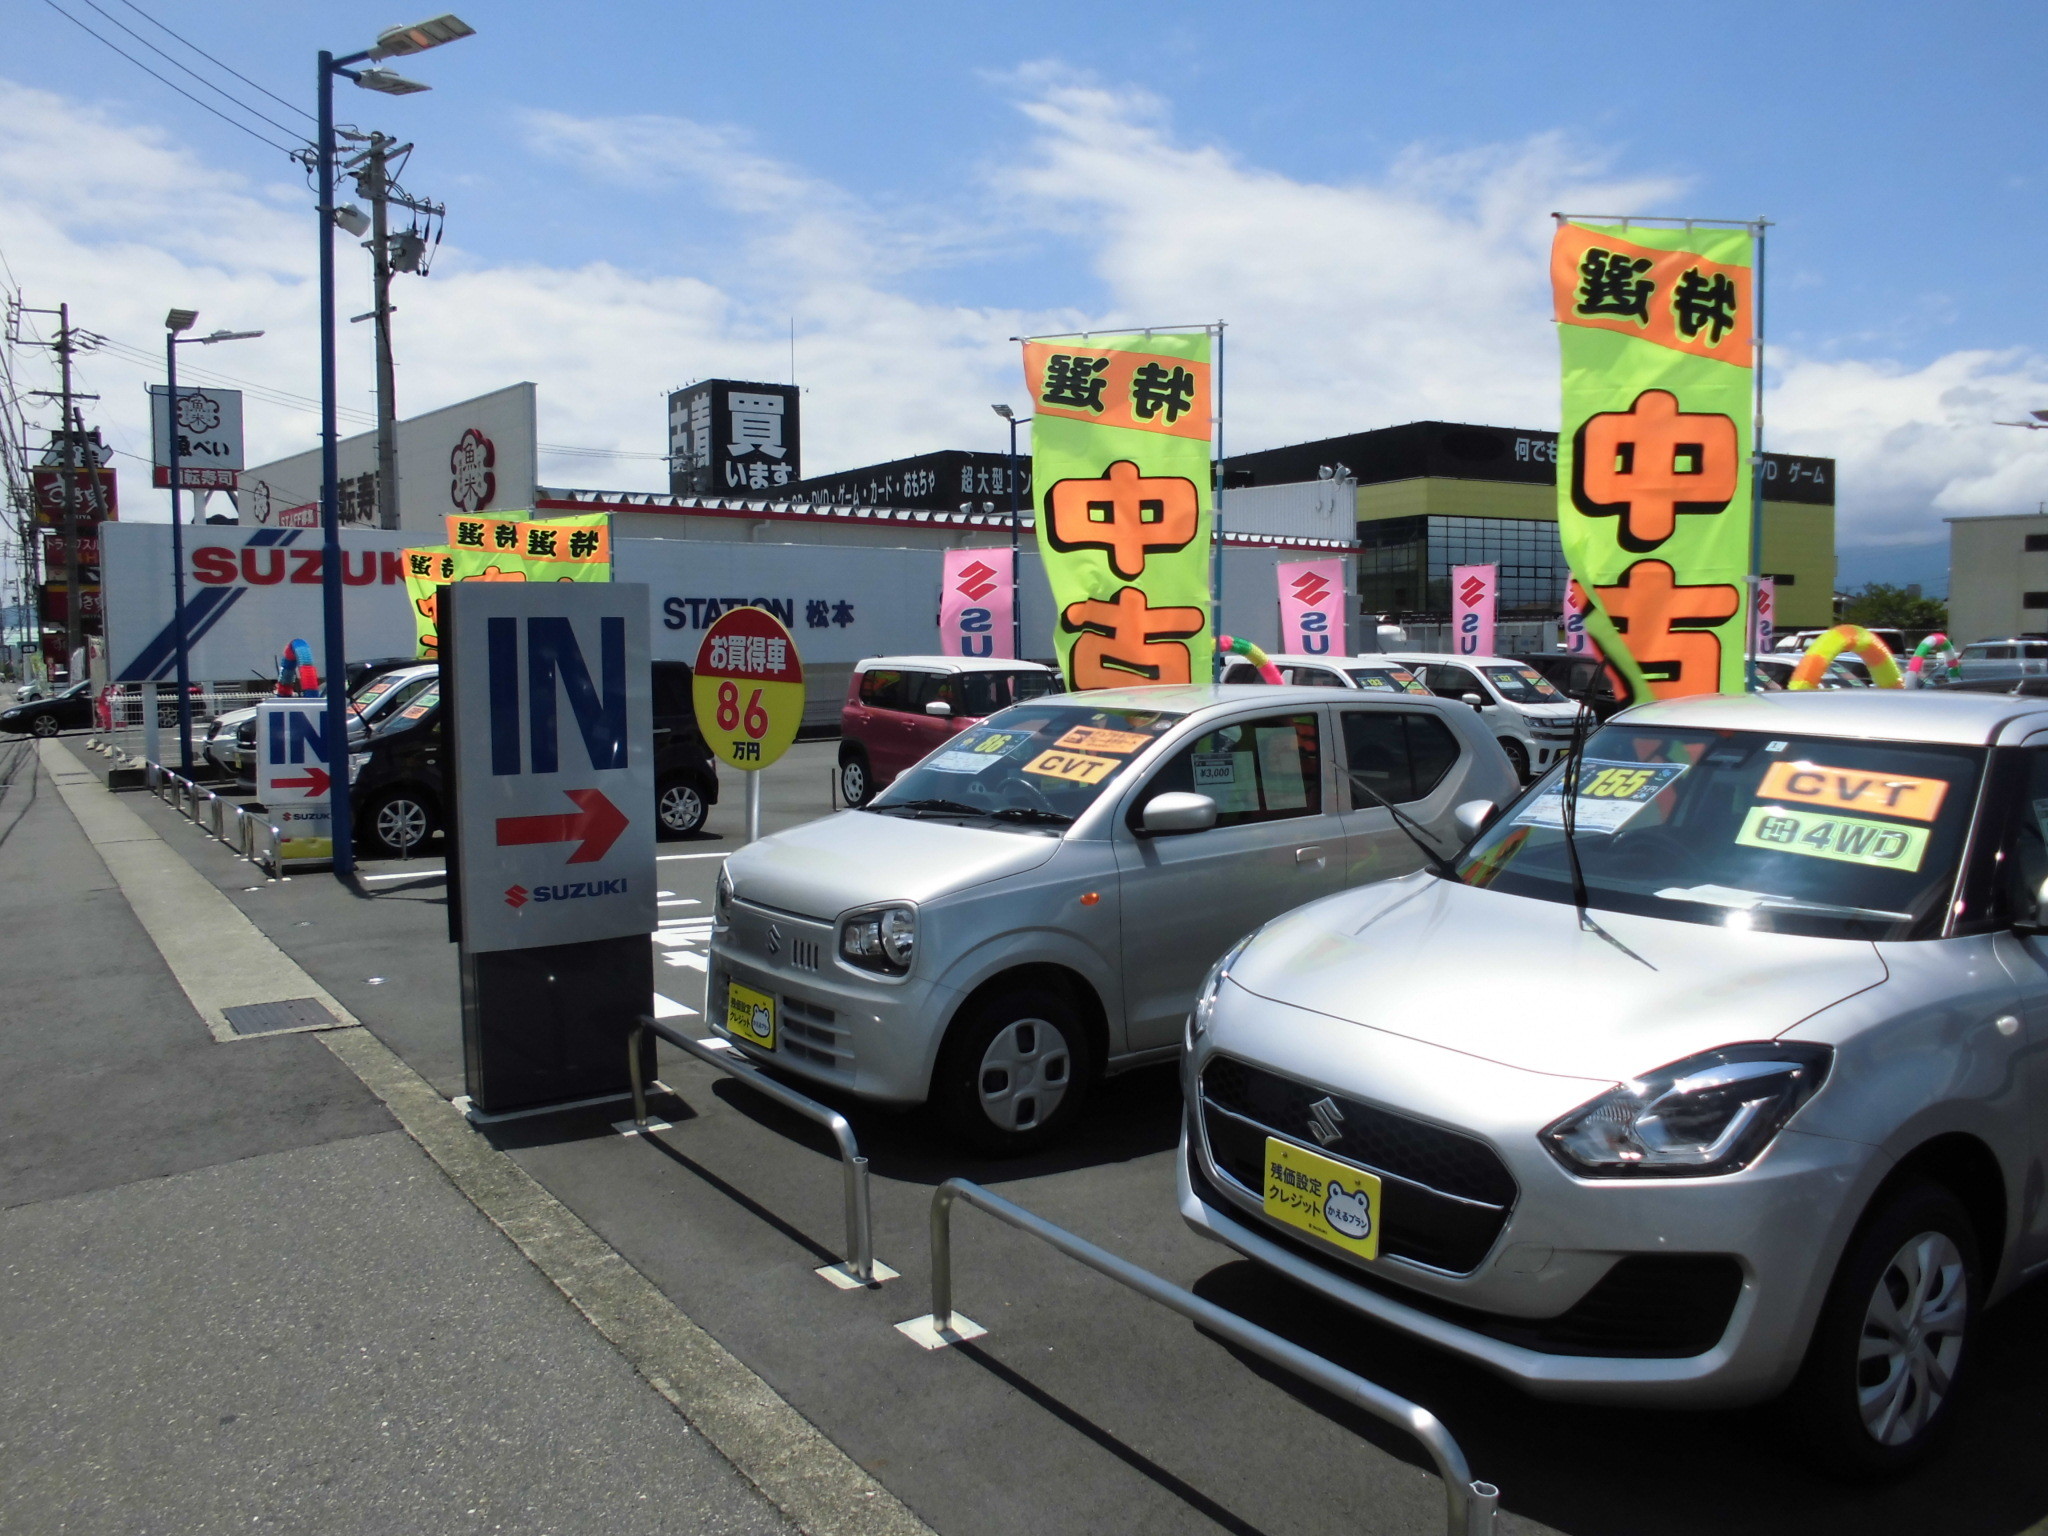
point(88, 31)
point(138, 10)
point(225, 95)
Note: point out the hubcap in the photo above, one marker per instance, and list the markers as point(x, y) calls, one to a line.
point(402, 823)
point(682, 808)
point(1024, 1075)
point(46, 725)
point(853, 782)
point(1912, 1338)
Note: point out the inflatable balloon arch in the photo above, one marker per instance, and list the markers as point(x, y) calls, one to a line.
point(1251, 653)
point(296, 674)
point(1874, 653)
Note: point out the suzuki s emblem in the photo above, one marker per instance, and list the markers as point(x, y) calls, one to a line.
point(774, 939)
point(1325, 1121)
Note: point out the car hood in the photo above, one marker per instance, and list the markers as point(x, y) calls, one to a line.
point(822, 868)
point(1516, 980)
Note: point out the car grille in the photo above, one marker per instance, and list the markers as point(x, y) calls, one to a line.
point(1649, 1306)
point(814, 1034)
point(1446, 1196)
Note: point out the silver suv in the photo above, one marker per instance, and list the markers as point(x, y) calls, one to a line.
point(1739, 1088)
point(1034, 904)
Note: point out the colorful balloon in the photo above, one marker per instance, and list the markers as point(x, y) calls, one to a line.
point(1877, 656)
point(1251, 653)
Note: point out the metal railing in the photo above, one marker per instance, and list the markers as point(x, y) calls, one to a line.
point(1469, 1504)
point(860, 1226)
point(256, 838)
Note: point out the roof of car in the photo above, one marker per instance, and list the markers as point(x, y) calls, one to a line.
point(951, 663)
point(1934, 715)
point(1184, 698)
point(1469, 661)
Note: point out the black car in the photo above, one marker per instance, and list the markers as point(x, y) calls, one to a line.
point(70, 710)
point(396, 785)
point(1583, 678)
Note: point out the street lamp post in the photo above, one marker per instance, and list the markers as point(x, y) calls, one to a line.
point(390, 44)
point(176, 323)
point(1016, 575)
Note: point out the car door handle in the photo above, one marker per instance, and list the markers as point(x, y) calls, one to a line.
point(1311, 858)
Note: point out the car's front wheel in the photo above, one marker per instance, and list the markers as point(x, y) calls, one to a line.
point(679, 809)
point(45, 725)
point(398, 822)
point(1013, 1072)
point(856, 779)
point(1878, 1387)
point(1518, 758)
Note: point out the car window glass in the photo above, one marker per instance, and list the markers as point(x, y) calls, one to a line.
point(1032, 685)
point(403, 693)
point(1998, 653)
point(1524, 685)
point(1312, 677)
point(416, 710)
point(1242, 672)
point(1255, 770)
point(1453, 682)
point(975, 694)
point(2034, 652)
point(672, 690)
point(884, 688)
point(1398, 754)
point(920, 688)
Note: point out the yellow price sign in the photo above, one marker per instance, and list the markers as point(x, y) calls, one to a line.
point(748, 688)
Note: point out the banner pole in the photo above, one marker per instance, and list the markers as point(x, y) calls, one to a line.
point(1216, 515)
point(1756, 446)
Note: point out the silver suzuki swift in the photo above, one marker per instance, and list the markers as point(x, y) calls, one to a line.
point(1725, 1077)
point(1035, 903)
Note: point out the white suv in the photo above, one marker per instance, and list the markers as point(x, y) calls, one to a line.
point(1532, 719)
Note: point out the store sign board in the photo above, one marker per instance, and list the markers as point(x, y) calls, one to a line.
point(208, 424)
point(294, 779)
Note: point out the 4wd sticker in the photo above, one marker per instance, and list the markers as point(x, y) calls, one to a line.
point(1849, 839)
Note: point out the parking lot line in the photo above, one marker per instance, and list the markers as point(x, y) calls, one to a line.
point(665, 858)
point(407, 874)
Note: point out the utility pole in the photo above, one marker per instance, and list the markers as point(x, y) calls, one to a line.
point(73, 616)
point(377, 185)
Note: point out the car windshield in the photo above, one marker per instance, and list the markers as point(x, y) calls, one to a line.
point(415, 709)
point(1787, 834)
point(382, 687)
point(1387, 679)
point(1522, 685)
point(977, 694)
point(402, 692)
point(1037, 764)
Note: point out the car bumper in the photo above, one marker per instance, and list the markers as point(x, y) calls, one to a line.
point(1570, 1299)
point(874, 1038)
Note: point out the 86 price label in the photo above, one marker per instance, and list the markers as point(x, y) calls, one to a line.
point(748, 688)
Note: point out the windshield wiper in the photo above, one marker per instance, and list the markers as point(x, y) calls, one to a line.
point(934, 807)
point(1738, 900)
point(1437, 861)
point(1031, 814)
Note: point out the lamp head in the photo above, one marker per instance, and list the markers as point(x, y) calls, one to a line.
point(390, 82)
point(1004, 411)
point(394, 42)
point(207, 341)
point(352, 219)
point(181, 320)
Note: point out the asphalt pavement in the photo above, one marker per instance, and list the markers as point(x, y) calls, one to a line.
point(1085, 1408)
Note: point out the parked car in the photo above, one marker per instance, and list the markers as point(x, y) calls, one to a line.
point(1373, 672)
point(1033, 905)
point(898, 708)
point(1745, 1099)
point(70, 709)
point(1989, 660)
point(1777, 670)
point(398, 793)
point(1532, 719)
point(379, 689)
point(1586, 680)
point(1798, 641)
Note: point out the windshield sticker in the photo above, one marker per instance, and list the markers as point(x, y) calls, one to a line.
point(1776, 746)
point(1610, 795)
point(1075, 766)
point(1849, 839)
point(959, 762)
point(1214, 770)
point(1374, 680)
point(990, 743)
point(1853, 789)
point(1085, 738)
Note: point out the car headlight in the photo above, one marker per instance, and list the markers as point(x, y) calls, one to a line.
point(721, 898)
point(1711, 1113)
point(1204, 1011)
point(883, 939)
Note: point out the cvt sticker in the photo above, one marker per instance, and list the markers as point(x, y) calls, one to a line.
point(1076, 766)
point(1853, 789)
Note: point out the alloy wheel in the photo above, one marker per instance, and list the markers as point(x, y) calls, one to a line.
point(681, 808)
point(1912, 1338)
point(402, 823)
point(1024, 1075)
point(46, 725)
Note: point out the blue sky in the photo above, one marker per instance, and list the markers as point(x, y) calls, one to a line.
point(649, 194)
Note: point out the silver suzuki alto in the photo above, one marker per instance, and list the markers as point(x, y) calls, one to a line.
point(1726, 1078)
point(1034, 904)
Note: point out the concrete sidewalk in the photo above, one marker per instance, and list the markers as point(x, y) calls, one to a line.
point(235, 1295)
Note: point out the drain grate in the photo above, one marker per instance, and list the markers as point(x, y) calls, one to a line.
point(269, 1018)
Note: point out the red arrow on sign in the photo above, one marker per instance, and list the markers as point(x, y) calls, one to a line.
point(596, 822)
point(314, 784)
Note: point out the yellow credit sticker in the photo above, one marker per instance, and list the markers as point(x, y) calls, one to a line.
point(750, 1016)
point(1849, 839)
point(1332, 1200)
point(1077, 766)
point(996, 742)
point(1088, 738)
point(1853, 789)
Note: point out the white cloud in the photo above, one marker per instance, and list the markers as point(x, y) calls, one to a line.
point(1421, 292)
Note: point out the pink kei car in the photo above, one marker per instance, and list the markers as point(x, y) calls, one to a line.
point(899, 708)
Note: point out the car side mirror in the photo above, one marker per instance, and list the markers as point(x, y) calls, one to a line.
point(1475, 816)
point(1169, 814)
point(2030, 916)
point(940, 709)
point(1475, 700)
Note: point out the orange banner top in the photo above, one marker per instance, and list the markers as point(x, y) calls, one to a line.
point(1145, 391)
point(1677, 299)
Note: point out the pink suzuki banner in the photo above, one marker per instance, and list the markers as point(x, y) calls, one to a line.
point(1764, 614)
point(974, 603)
point(1312, 607)
point(1576, 641)
point(1474, 589)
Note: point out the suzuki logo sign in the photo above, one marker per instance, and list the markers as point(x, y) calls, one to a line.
point(977, 581)
point(1470, 590)
point(1310, 589)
